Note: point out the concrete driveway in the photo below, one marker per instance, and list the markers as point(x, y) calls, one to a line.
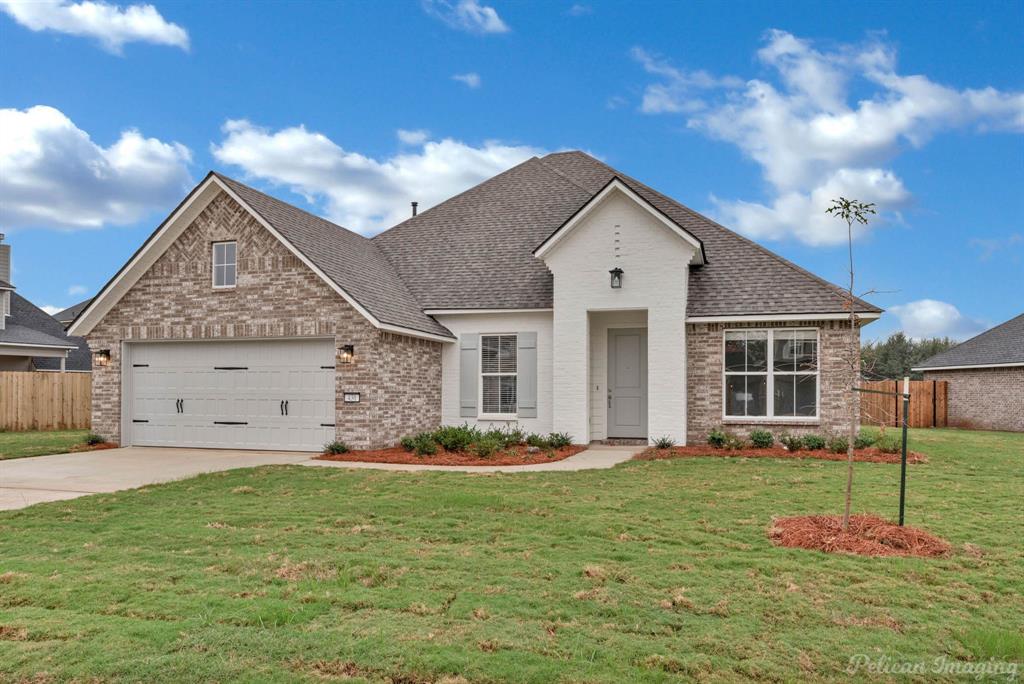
point(27, 481)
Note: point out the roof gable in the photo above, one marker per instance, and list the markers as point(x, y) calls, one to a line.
point(1002, 345)
point(617, 185)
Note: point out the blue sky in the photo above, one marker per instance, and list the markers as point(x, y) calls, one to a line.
point(753, 113)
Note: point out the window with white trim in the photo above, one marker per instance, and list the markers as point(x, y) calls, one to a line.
point(498, 375)
point(224, 264)
point(771, 374)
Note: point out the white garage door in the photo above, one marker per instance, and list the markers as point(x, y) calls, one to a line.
point(234, 395)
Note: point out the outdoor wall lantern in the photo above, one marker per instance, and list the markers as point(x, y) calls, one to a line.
point(102, 357)
point(616, 278)
point(348, 353)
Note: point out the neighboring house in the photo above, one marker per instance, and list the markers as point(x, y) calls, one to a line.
point(30, 339)
point(560, 295)
point(986, 378)
point(69, 314)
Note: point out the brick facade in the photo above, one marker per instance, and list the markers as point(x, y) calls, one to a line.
point(399, 378)
point(704, 365)
point(984, 398)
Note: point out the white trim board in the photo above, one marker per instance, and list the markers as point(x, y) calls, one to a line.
point(459, 312)
point(980, 365)
point(616, 185)
point(169, 231)
point(764, 318)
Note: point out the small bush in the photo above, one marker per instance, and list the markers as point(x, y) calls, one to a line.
point(336, 447)
point(838, 444)
point(890, 444)
point(864, 440)
point(792, 443)
point(514, 436)
point(424, 444)
point(92, 439)
point(559, 440)
point(733, 442)
point(486, 447)
point(456, 437)
point(717, 438)
point(762, 439)
point(814, 442)
point(408, 443)
point(538, 441)
point(664, 443)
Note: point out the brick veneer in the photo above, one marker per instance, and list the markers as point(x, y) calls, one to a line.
point(399, 378)
point(984, 398)
point(704, 380)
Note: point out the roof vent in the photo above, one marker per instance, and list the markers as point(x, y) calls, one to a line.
point(414, 205)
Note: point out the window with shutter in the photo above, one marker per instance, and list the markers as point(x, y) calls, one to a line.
point(498, 375)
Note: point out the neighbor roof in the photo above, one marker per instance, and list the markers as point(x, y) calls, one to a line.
point(1001, 346)
point(69, 314)
point(352, 261)
point(475, 251)
point(30, 325)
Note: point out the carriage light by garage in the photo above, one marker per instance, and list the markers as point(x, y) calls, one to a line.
point(616, 278)
point(101, 357)
point(348, 353)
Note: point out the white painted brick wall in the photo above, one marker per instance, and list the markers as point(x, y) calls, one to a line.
point(656, 265)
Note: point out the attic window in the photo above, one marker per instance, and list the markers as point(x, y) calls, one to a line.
point(224, 264)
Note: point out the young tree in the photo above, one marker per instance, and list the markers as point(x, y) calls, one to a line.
point(851, 211)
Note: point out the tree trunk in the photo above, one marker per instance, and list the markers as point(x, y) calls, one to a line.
point(852, 401)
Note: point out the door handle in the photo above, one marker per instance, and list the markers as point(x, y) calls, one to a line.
point(609, 397)
point(282, 407)
point(286, 407)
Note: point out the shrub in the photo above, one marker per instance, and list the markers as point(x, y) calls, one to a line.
point(514, 436)
point(762, 439)
point(664, 443)
point(408, 443)
point(424, 444)
point(890, 444)
point(92, 439)
point(456, 437)
point(864, 440)
point(538, 441)
point(336, 447)
point(838, 444)
point(717, 438)
point(485, 447)
point(814, 442)
point(733, 442)
point(559, 440)
point(792, 443)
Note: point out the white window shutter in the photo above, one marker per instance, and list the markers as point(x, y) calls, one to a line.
point(469, 373)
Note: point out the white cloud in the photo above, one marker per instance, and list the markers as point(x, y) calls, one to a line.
point(472, 79)
point(54, 175)
point(50, 309)
point(357, 191)
point(467, 15)
point(579, 10)
point(76, 290)
point(111, 25)
point(417, 137)
point(810, 140)
point(926, 318)
point(989, 247)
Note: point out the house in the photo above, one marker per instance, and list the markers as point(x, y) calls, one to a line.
point(560, 295)
point(985, 377)
point(69, 314)
point(29, 338)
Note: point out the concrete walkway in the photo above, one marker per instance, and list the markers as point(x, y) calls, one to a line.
point(27, 481)
point(596, 457)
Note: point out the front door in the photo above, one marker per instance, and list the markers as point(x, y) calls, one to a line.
point(627, 383)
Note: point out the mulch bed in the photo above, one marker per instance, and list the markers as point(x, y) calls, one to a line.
point(869, 455)
point(869, 535)
point(517, 455)
point(92, 447)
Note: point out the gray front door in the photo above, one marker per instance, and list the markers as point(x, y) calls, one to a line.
point(627, 383)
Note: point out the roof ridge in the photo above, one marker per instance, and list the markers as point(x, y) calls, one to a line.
point(562, 173)
point(784, 261)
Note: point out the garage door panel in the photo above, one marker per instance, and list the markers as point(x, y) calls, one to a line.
point(232, 392)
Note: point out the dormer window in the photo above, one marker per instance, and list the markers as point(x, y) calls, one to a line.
point(224, 264)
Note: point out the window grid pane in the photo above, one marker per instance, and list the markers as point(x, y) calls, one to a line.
point(498, 363)
point(792, 356)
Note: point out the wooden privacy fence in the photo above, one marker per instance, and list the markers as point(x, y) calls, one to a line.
point(927, 403)
point(45, 401)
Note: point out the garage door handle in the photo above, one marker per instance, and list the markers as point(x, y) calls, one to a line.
point(230, 422)
point(286, 407)
point(282, 407)
point(230, 368)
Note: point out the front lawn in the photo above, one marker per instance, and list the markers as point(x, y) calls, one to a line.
point(20, 444)
point(652, 571)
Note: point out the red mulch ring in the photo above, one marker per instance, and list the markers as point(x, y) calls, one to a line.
point(869, 535)
point(93, 447)
point(869, 455)
point(517, 455)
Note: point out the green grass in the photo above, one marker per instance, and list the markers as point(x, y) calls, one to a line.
point(652, 571)
point(21, 444)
